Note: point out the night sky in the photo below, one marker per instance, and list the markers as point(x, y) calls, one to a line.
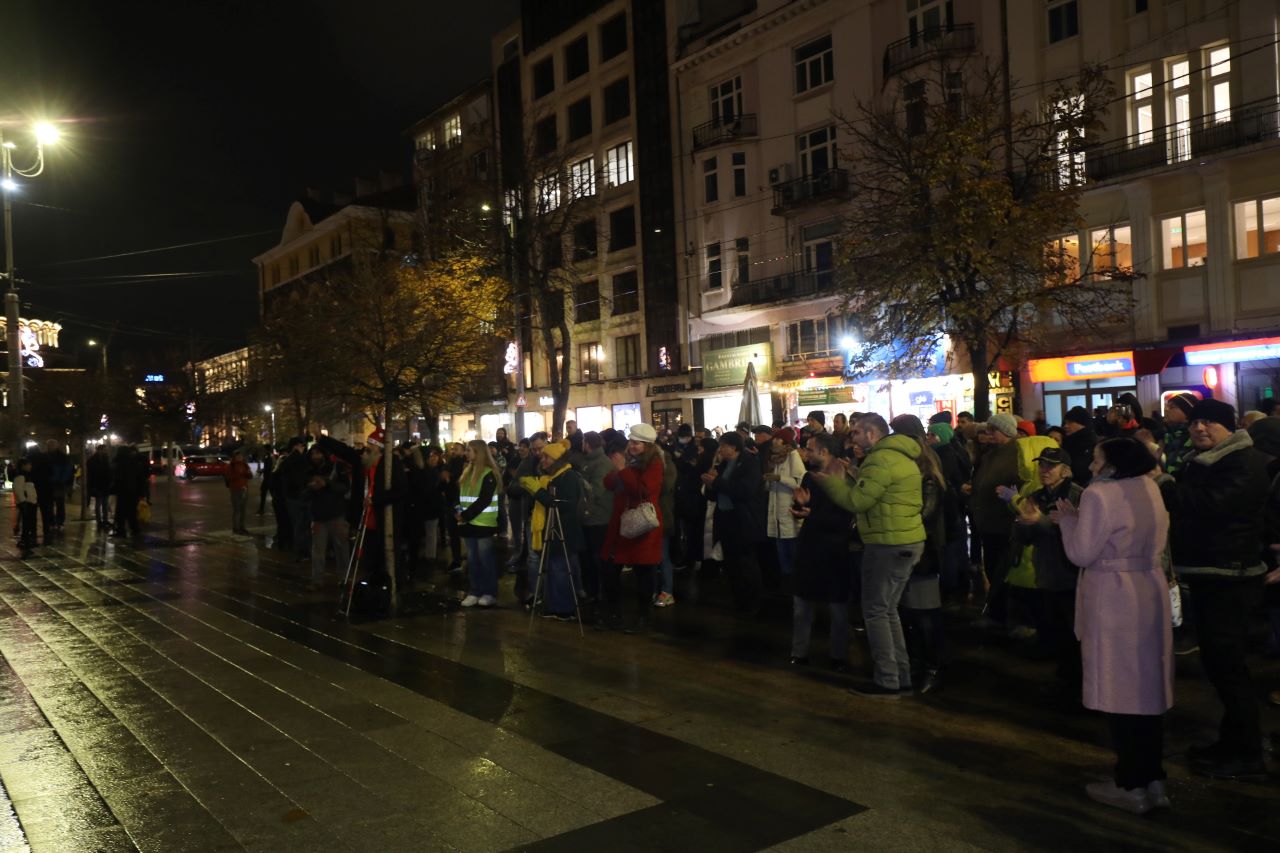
point(193, 121)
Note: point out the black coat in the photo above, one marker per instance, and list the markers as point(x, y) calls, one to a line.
point(823, 570)
point(1079, 446)
point(98, 474)
point(745, 523)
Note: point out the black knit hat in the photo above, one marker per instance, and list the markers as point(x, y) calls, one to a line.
point(1079, 415)
point(940, 418)
point(1184, 401)
point(1214, 411)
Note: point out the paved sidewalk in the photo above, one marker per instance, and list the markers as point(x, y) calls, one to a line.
point(198, 698)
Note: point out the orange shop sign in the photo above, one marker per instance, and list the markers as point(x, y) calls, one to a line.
point(1103, 365)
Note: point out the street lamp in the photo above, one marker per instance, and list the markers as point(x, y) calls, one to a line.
point(95, 343)
point(45, 134)
point(266, 407)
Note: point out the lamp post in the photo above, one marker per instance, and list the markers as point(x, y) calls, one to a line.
point(45, 134)
point(266, 407)
point(95, 343)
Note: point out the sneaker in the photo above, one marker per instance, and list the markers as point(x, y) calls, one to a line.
point(1158, 796)
point(664, 599)
point(1109, 793)
point(487, 601)
point(470, 601)
point(871, 690)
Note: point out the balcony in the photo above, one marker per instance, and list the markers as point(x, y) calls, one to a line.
point(778, 288)
point(716, 131)
point(1171, 144)
point(928, 44)
point(833, 183)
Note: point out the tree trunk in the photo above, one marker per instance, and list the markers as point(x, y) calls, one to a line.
point(981, 378)
point(562, 392)
point(388, 534)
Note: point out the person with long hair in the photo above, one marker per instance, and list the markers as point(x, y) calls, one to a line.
point(635, 480)
point(1123, 616)
point(477, 520)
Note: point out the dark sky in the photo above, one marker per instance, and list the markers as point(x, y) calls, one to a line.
point(191, 121)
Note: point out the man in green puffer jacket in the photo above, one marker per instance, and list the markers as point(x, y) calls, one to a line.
point(886, 496)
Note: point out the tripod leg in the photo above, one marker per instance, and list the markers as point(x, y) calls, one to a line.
point(355, 565)
point(573, 589)
point(537, 587)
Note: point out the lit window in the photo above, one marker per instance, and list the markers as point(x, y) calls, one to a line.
point(814, 64)
point(1219, 83)
point(548, 192)
point(1141, 114)
point(1064, 259)
point(1180, 111)
point(1184, 239)
point(618, 167)
point(1257, 227)
point(453, 131)
point(427, 141)
point(582, 178)
point(1112, 250)
point(1069, 151)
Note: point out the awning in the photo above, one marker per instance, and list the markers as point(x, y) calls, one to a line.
point(1147, 362)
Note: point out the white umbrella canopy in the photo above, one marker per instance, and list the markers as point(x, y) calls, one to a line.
point(749, 411)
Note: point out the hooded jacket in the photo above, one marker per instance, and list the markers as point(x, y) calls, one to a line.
point(1216, 505)
point(888, 495)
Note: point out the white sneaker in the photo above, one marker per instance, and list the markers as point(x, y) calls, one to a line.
point(487, 601)
point(470, 601)
point(1158, 796)
point(1110, 794)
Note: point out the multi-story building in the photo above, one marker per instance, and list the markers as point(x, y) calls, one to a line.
point(582, 108)
point(1183, 186)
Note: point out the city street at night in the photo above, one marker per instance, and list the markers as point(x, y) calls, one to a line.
point(196, 697)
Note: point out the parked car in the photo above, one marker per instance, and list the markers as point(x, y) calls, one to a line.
point(202, 465)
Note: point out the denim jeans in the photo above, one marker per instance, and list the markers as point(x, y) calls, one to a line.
point(322, 533)
point(668, 569)
point(802, 628)
point(786, 554)
point(556, 591)
point(239, 500)
point(482, 565)
point(885, 572)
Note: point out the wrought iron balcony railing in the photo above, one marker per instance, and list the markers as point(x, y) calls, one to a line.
point(792, 285)
point(718, 130)
point(927, 44)
point(832, 183)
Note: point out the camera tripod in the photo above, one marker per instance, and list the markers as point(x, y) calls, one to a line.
point(348, 589)
point(552, 535)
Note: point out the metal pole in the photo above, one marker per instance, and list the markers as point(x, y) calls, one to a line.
point(11, 310)
point(168, 492)
point(84, 479)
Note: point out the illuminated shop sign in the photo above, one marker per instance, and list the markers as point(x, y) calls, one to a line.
point(1252, 350)
point(1103, 365)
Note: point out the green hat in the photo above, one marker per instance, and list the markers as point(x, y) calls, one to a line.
point(944, 432)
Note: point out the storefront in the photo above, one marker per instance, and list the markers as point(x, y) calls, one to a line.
point(1089, 381)
point(541, 417)
point(724, 371)
point(1243, 373)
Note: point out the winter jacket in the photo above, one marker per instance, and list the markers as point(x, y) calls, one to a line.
point(1123, 617)
point(326, 503)
point(1079, 446)
point(567, 485)
point(1175, 447)
point(1216, 506)
point(743, 485)
point(932, 514)
point(631, 487)
point(238, 475)
point(1045, 563)
point(823, 569)
point(781, 483)
point(98, 474)
point(599, 500)
point(888, 495)
point(690, 502)
point(956, 470)
point(24, 490)
point(293, 471)
point(998, 467)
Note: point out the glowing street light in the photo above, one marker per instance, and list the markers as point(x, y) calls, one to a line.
point(46, 134)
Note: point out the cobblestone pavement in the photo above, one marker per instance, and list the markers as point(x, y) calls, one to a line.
point(197, 697)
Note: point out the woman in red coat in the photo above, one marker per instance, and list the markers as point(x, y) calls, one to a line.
point(636, 479)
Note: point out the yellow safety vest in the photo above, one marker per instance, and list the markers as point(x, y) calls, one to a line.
point(469, 493)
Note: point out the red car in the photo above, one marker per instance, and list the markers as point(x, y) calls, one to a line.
point(202, 465)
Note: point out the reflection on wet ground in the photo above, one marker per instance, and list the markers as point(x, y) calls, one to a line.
point(195, 696)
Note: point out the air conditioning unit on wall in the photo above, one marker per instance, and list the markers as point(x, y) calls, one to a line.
point(779, 174)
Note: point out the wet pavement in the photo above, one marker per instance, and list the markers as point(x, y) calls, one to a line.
point(194, 695)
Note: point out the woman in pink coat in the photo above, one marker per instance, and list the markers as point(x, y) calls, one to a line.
point(636, 479)
point(1123, 618)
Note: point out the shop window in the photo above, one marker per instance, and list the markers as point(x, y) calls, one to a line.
point(577, 59)
point(586, 302)
point(1257, 224)
point(1064, 20)
point(1141, 108)
point(544, 78)
point(585, 240)
point(1184, 239)
point(590, 359)
point(1064, 260)
point(617, 100)
point(710, 181)
point(613, 37)
point(579, 118)
point(1112, 250)
point(739, 174)
point(626, 293)
point(622, 228)
point(814, 64)
point(1218, 81)
point(628, 355)
point(618, 166)
point(714, 275)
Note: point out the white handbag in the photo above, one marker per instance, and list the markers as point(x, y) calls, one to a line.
point(638, 520)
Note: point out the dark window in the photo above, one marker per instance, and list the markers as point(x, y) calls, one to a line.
point(739, 174)
point(1139, 6)
point(814, 66)
point(584, 240)
point(544, 136)
point(589, 357)
point(622, 228)
point(714, 277)
point(613, 37)
point(580, 118)
point(480, 165)
point(628, 352)
point(710, 182)
point(626, 293)
point(552, 252)
point(576, 59)
point(617, 101)
point(743, 249)
point(586, 297)
point(1064, 21)
point(741, 338)
point(544, 77)
point(914, 105)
